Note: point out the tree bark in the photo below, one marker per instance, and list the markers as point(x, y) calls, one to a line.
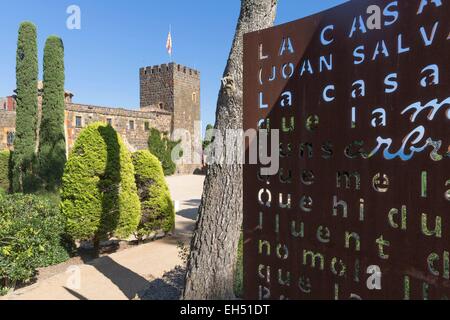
point(212, 261)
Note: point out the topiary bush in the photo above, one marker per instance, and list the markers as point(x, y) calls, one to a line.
point(31, 230)
point(5, 172)
point(158, 213)
point(160, 146)
point(99, 195)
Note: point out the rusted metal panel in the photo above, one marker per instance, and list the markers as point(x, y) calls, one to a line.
point(393, 211)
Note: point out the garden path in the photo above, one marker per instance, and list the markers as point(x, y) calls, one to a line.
point(128, 273)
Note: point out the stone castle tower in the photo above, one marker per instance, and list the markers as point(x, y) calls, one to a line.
point(173, 88)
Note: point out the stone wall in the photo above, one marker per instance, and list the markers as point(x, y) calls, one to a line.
point(133, 126)
point(135, 138)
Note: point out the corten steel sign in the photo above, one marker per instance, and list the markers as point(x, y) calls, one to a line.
point(360, 207)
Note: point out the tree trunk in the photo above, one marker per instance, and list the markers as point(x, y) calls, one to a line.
point(212, 261)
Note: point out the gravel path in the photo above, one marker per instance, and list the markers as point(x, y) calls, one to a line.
point(169, 287)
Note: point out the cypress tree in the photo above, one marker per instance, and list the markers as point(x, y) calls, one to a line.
point(52, 144)
point(27, 106)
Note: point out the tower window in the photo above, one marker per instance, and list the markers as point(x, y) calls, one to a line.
point(10, 138)
point(131, 125)
point(78, 122)
point(161, 105)
point(194, 96)
point(147, 126)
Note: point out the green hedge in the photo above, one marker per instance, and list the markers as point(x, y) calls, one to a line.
point(5, 157)
point(156, 203)
point(31, 229)
point(161, 147)
point(99, 195)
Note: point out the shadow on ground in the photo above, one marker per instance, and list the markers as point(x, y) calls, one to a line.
point(184, 230)
point(134, 286)
point(190, 213)
point(129, 282)
point(169, 287)
point(76, 294)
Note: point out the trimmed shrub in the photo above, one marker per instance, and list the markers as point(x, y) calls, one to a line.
point(160, 146)
point(5, 158)
point(157, 209)
point(27, 106)
point(52, 143)
point(99, 196)
point(31, 231)
point(208, 136)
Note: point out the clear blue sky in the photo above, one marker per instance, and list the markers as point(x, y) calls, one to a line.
point(118, 37)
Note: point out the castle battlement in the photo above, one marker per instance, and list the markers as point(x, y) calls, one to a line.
point(168, 68)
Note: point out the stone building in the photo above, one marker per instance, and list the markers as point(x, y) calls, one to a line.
point(176, 89)
point(169, 100)
point(8, 103)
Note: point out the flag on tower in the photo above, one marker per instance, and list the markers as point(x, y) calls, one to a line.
point(169, 43)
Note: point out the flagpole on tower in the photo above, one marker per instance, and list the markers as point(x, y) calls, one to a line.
point(169, 44)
